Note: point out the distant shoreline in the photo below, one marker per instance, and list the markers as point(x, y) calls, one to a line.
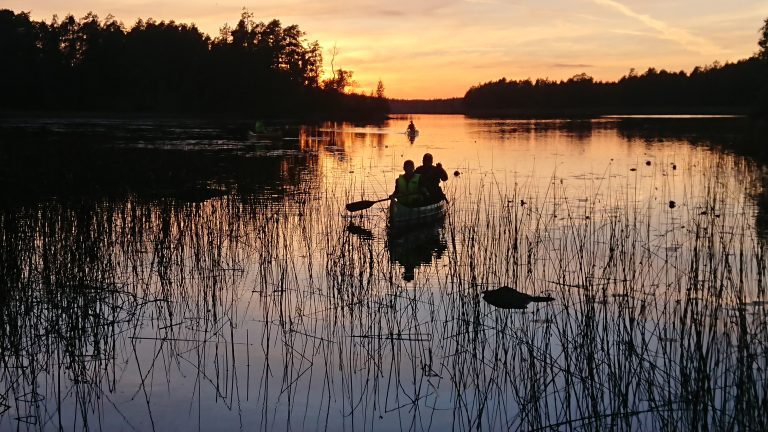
point(455, 106)
point(609, 111)
point(202, 116)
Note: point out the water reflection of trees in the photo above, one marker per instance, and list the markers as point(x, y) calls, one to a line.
point(737, 135)
point(152, 159)
point(336, 137)
point(580, 130)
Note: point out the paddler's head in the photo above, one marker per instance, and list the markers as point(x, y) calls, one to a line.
point(408, 167)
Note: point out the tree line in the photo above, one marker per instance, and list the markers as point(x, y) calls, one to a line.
point(732, 87)
point(92, 64)
point(427, 106)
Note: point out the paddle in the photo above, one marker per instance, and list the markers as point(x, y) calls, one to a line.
point(362, 205)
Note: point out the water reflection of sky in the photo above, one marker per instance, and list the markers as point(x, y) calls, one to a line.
point(201, 276)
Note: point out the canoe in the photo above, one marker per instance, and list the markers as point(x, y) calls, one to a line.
point(412, 133)
point(401, 216)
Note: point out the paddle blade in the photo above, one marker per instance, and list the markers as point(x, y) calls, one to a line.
point(359, 205)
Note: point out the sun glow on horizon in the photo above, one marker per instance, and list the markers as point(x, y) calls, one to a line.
point(440, 48)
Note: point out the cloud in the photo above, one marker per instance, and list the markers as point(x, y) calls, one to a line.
point(391, 12)
point(338, 9)
point(571, 65)
point(665, 31)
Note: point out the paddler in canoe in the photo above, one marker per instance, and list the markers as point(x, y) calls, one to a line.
point(430, 176)
point(408, 188)
point(413, 204)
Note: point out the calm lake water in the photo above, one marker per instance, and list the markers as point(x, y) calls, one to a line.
point(186, 275)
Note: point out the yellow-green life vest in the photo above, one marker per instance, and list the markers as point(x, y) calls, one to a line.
point(408, 190)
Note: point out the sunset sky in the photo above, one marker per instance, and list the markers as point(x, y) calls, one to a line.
point(439, 48)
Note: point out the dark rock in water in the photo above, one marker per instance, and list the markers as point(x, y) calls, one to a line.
point(633, 169)
point(456, 173)
point(510, 298)
point(648, 163)
point(672, 204)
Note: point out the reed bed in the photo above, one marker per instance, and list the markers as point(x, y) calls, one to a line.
point(238, 313)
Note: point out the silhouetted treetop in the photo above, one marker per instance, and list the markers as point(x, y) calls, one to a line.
point(277, 48)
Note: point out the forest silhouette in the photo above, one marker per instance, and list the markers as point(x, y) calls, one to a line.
point(740, 87)
point(89, 64)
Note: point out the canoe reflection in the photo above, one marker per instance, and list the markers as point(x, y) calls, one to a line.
point(412, 134)
point(416, 247)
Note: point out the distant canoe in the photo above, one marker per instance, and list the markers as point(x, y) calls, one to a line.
point(401, 216)
point(412, 133)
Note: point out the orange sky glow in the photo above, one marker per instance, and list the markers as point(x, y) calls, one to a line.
point(440, 48)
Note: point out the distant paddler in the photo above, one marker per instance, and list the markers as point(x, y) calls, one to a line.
point(411, 133)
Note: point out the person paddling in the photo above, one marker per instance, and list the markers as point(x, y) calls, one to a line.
point(431, 175)
point(408, 189)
